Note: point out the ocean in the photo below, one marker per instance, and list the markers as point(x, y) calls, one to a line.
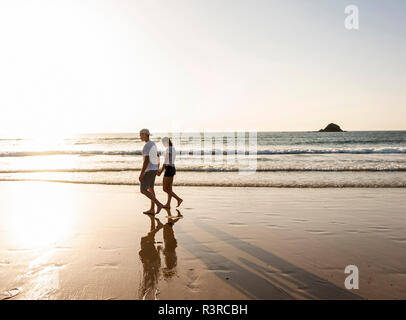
point(276, 159)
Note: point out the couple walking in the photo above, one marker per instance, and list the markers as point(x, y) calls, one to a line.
point(150, 169)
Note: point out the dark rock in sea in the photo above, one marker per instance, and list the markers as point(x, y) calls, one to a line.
point(332, 127)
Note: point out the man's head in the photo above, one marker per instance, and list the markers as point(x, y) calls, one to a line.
point(144, 135)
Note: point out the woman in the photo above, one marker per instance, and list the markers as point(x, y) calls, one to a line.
point(170, 171)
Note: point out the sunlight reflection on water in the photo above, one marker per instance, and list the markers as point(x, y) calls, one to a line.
point(40, 219)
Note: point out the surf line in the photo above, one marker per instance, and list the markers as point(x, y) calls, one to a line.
point(186, 311)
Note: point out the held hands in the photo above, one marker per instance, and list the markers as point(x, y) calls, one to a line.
point(159, 172)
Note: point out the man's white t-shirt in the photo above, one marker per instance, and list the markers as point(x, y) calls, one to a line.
point(151, 151)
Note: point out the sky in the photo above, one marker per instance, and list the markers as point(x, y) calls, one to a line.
point(200, 65)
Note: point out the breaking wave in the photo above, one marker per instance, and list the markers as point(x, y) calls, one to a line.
point(205, 152)
point(129, 169)
point(232, 184)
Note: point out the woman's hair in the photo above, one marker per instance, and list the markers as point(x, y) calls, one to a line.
point(167, 140)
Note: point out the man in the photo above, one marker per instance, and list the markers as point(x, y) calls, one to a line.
point(149, 171)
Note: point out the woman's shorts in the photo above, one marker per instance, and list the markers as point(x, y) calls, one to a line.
point(170, 171)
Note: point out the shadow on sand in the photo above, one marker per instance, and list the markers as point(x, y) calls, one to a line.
point(263, 284)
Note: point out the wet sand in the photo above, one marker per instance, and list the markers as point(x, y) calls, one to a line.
point(66, 241)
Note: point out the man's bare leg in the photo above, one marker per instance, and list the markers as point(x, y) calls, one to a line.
point(154, 200)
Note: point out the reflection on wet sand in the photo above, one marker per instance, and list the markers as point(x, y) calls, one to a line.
point(170, 244)
point(150, 256)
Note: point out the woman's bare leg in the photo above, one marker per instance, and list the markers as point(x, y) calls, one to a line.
point(166, 184)
point(180, 200)
point(168, 190)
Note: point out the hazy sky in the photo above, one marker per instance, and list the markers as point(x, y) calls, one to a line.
point(117, 66)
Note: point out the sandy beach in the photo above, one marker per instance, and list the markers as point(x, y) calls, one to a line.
point(71, 241)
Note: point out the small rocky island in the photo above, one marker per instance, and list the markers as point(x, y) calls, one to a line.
point(332, 127)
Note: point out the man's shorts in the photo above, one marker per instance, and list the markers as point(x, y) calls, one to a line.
point(148, 181)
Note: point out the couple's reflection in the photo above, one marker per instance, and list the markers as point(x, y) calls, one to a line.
point(150, 255)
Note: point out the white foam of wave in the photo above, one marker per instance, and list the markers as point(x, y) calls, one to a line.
point(395, 150)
